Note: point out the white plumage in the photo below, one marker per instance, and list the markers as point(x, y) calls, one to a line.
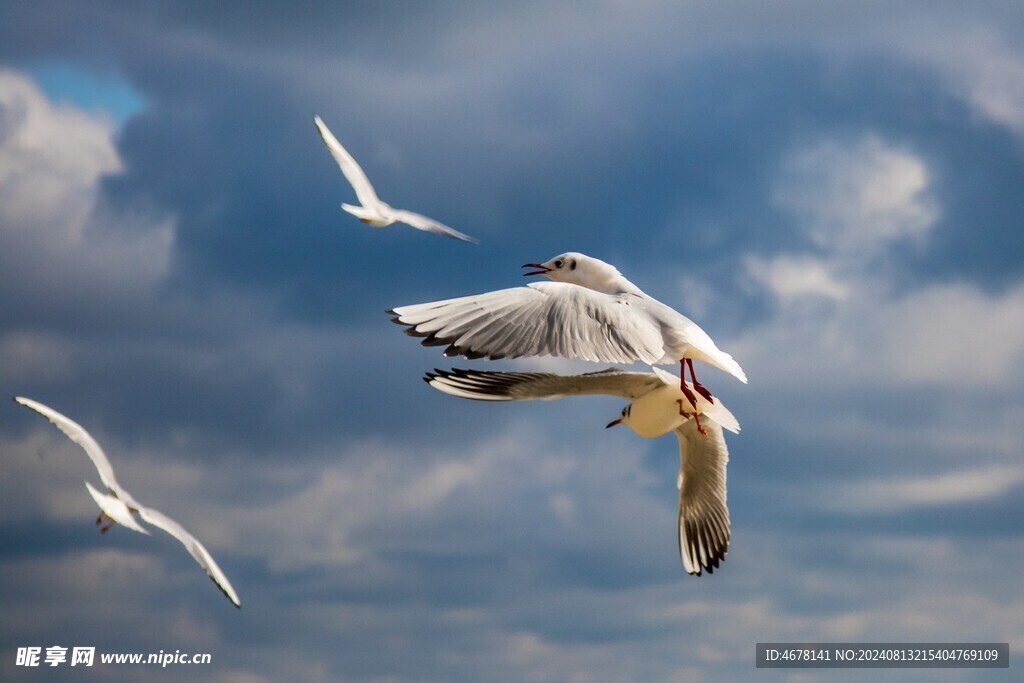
point(591, 312)
point(658, 407)
point(374, 211)
point(118, 505)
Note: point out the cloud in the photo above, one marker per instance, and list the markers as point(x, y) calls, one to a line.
point(799, 168)
point(853, 198)
point(986, 69)
point(61, 245)
point(788, 277)
point(950, 488)
point(949, 336)
point(855, 201)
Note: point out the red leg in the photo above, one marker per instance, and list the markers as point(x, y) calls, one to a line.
point(682, 385)
point(694, 414)
point(698, 387)
point(700, 428)
point(682, 413)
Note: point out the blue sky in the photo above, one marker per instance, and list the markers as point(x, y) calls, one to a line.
point(830, 190)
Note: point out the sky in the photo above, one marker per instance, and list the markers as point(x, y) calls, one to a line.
point(831, 190)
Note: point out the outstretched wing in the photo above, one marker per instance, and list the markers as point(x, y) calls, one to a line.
point(543, 319)
point(703, 514)
point(353, 172)
point(194, 547)
point(421, 222)
point(77, 433)
point(524, 386)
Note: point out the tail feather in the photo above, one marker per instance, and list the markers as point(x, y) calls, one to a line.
point(727, 363)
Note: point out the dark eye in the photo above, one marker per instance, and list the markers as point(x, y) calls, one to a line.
point(558, 263)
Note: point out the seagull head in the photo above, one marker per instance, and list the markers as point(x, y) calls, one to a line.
point(577, 269)
point(622, 419)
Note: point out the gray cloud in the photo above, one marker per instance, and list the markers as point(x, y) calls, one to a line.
point(831, 191)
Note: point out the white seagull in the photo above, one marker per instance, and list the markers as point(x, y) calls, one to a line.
point(118, 505)
point(657, 407)
point(590, 312)
point(374, 211)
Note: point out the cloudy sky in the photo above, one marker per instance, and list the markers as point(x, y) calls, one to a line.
point(832, 191)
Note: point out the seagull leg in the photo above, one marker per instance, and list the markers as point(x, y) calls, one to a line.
point(694, 415)
point(697, 385)
point(682, 384)
point(682, 413)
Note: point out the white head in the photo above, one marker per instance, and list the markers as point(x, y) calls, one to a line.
point(579, 269)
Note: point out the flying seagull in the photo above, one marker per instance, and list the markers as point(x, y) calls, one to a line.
point(658, 407)
point(118, 505)
point(589, 311)
point(374, 211)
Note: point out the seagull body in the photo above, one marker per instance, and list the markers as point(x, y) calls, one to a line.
point(589, 312)
point(373, 211)
point(118, 505)
point(657, 408)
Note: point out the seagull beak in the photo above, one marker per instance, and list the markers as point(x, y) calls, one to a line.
point(543, 269)
point(613, 423)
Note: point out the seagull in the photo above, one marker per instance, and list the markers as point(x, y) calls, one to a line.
point(657, 408)
point(118, 505)
point(374, 211)
point(589, 311)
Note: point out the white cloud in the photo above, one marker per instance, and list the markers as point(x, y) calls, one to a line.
point(950, 336)
point(854, 197)
point(58, 241)
point(950, 488)
point(980, 64)
point(789, 277)
point(854, 200)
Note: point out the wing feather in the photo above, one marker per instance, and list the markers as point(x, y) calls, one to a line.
point(421, 222)
point(543, 319)
point(524, 386)
point(704, 526)
point(353, 171)
point(77, 433)
point(196, 549)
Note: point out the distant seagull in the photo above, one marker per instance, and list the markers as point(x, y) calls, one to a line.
point(374, 211)
point(590, 312)
point(118, 505)
point(658, 406)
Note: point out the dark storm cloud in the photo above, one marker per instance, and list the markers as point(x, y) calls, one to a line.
point(251, 383)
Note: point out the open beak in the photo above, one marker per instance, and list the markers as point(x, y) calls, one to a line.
point(543, 269)
point(613, 423)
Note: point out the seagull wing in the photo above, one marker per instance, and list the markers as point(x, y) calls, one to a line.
point(703, 514)
point(353, 172)
point(543, 319)
point(522, 386)
point(194, 547)
point(421, 222)
point(77, 433)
